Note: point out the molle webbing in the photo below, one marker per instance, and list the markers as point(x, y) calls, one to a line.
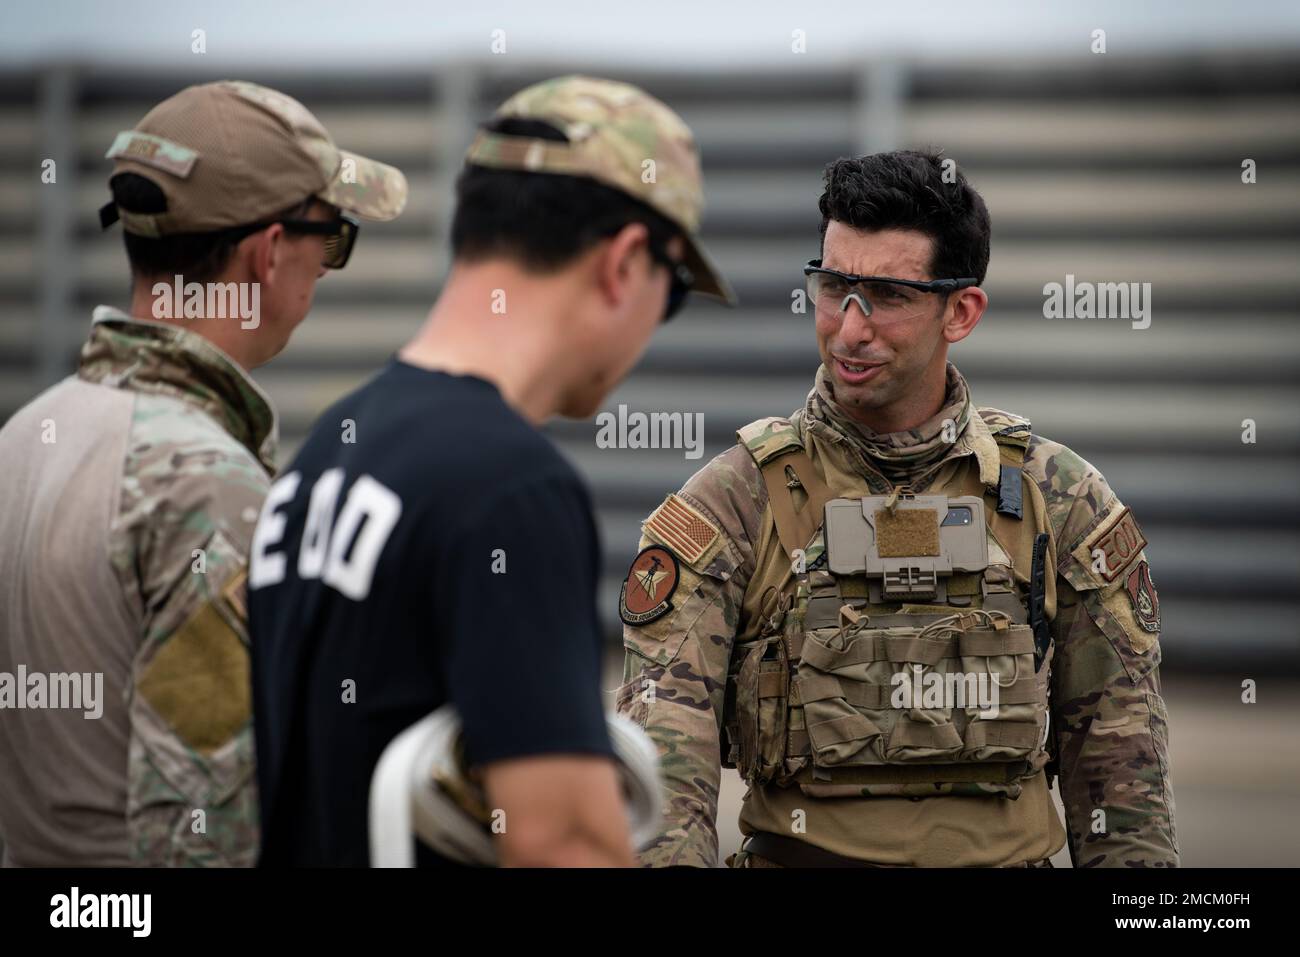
point(922, 774)
point(820, 687)
point(905, 649)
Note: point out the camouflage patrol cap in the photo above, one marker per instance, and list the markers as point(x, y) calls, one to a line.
point(620, 136)
point(233, 153)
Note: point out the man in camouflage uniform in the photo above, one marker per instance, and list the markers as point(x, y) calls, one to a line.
point(734, 655)
point(132, 487)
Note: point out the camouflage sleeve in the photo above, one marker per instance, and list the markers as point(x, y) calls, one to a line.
point(1112, 727)
point(181, 543)
point(678, 643)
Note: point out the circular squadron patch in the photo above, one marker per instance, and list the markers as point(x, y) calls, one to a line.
point(649, 585)
point(1146, 604)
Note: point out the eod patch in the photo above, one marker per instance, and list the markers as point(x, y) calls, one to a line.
point(648, 589)
point(1146, 604)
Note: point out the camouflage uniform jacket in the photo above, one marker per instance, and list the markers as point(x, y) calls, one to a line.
point(197, 444)
point(1109, 718)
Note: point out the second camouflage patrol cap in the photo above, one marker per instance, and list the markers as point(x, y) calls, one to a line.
point(620, 136)
point(233, 153)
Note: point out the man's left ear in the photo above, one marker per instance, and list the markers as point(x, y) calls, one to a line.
point(619, 258)
point(267, 254)
point(967, 308)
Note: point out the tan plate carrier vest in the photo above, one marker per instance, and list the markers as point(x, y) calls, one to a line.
point(808, 698)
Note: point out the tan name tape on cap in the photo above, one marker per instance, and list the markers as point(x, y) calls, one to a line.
point(153, 151)
point(1120, 541)
point(682, 528)
point(141, 224)
point(525, 153)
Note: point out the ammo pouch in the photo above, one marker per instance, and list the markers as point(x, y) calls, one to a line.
point(912, 703)
point(760, 684)
point(954, 697)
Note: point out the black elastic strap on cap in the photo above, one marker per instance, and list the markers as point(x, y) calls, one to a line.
point(1009, 502)
point(133, 193)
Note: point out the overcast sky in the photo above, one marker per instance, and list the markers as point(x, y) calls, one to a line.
point(662, 32)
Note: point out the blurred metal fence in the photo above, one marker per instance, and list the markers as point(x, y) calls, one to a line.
point(1114, 171)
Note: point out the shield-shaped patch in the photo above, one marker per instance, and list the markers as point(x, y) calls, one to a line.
point(1146, 604)
point(648, 589)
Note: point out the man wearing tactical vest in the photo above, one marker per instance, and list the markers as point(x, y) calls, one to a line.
point(889, 536)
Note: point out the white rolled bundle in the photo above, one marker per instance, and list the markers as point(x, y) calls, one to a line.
point(419, 787)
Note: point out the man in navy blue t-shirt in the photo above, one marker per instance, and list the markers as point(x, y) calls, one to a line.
point(428, 545)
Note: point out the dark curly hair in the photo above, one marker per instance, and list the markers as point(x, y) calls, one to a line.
point(905, 190)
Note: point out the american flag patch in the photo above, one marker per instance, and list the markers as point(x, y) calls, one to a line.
point(681, 528)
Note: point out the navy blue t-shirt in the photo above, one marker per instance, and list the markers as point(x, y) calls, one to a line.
point(426, 546)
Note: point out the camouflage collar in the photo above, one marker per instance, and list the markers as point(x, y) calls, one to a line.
point(129, 353)
point(978, 440)
point(902, 456)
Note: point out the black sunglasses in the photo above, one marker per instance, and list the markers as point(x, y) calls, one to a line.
point(340, 235)
point(681, 279)
point(931, 285)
